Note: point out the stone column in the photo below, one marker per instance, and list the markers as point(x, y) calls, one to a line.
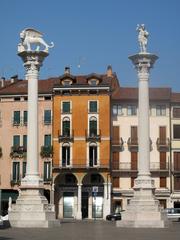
point(143, 210)
point(79, 212)
point(107, 200)
point(32, 208)
point(32, 63)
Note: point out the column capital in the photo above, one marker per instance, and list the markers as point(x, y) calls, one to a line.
point(33, 60)
point(143, 62)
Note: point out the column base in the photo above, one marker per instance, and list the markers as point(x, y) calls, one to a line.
point(79, 215)
point(32, 211)
point(143, 210)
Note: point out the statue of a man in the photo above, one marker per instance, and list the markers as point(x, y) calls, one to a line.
point(142, 37)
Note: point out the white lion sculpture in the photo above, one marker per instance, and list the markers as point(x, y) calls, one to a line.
point(31, 36)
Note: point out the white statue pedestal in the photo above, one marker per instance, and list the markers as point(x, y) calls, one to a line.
point(32, 210)
point(143, 210)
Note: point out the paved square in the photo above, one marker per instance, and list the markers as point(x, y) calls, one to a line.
point(89, 230)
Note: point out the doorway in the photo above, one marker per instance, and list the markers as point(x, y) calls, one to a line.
point(68, 205)
point(84, 209)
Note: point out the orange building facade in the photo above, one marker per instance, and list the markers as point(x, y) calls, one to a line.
point(81, 145)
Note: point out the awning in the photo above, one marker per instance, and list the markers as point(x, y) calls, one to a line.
point(5, 194)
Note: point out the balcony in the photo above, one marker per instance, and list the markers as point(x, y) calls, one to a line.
point(18, 152)
point(124, 167)
point(15, 180)
point(46, 151)
point(159, 166)
point(117, 145)
point(133, 144)
point(130, 167)
point(81, 165)
point(163, 145)
point(93, 136)
point(66, 136)
point(176, 170)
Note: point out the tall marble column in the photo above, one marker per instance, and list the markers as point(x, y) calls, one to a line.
point(143, 210)
point(32, 208)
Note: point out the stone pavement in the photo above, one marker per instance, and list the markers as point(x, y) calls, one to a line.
point(91, 230)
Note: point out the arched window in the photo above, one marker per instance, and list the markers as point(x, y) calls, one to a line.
point(93, 126)
point(66, 127)
point(92, 154)
point(65, 154)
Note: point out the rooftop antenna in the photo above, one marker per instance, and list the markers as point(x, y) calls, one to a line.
point(81, 61)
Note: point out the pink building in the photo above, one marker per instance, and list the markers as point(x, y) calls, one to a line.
point(13, 135)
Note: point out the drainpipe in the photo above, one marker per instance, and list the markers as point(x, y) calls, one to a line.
point(170, 148)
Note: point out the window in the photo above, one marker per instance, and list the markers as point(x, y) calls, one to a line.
point(16, 175)
point(47, 98)
point(161, 110)
point(47, 117)
point(93, 126)
point(65, 155)
point(47, 140)
point(93, 106)
point(67, 82)
point(25, 117)
point(131, 110)
point(25, 141)
point(93, 82)
point(16, 140)
point(93, 155)
point(17, 99)
point(66, 107)
point(176, 112)
point(117, 109)
point(24, 169)
point(176, 161)
point(176, 131)
point(115, 182)
point(66, 127)
point(47, 171)
point(16, 118)
point(162, 182)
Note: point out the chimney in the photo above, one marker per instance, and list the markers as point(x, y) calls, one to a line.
point(14, 78)
point(67, 70)
point(2, 84)
point(109, 71)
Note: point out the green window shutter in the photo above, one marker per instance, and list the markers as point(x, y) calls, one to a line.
point(66, 107)
point(47, 116)
point(25, 141)
point(66, 128)
point(24, 169)
point(16, 175)
point(25, 117)
point(16, 119)
point(93, 106)
point(16, 140)
point(47, 140)
point(93, 127)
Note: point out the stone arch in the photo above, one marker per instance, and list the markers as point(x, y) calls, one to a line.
point(93, 178)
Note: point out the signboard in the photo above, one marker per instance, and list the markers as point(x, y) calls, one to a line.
point(95, 189)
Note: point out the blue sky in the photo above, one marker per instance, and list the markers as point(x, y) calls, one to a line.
point(95, 33)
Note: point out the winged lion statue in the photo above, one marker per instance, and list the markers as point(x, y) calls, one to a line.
point(31, 36)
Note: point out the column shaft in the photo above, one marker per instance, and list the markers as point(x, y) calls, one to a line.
point(143, 126)
point(32, 147)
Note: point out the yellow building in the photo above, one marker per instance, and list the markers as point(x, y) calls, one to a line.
point(81, 144)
